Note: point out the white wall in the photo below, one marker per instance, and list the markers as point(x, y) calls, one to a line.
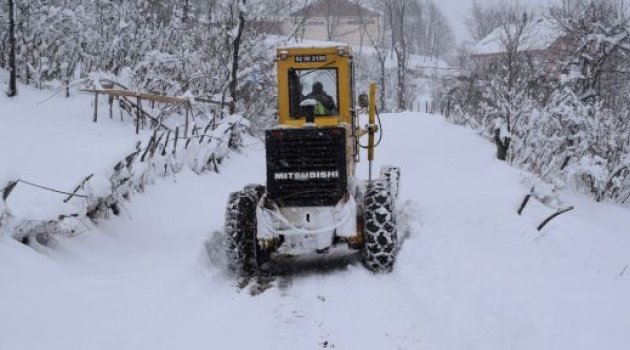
point(352, 30)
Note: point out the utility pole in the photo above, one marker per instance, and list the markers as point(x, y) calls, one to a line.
point(12, 42)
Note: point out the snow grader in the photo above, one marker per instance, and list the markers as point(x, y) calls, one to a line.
point(313, 202)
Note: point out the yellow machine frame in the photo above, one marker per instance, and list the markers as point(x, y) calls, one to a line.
point(339, 57)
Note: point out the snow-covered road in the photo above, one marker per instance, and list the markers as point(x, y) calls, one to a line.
point(472, 275)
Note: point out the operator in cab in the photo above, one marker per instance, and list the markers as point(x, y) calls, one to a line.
point(325, 104)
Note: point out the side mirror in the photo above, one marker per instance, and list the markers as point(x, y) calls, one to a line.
point(364, 101)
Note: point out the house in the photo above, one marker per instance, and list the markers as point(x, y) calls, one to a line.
point(268, 27)
point(540, 43)
point(338, 20)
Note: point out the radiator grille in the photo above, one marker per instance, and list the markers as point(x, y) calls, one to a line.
point(306, 167)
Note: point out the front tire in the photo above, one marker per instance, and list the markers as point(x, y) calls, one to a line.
point(379, 228)
point(240, 230)
point(391, 174)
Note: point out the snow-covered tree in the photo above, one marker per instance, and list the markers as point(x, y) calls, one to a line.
point(497, 94)
point(483, 18)
point(566, 120)
point(12, 90)
point(410, 27)
point(596, 50)
point(168, 47)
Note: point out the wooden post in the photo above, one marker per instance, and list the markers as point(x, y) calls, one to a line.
point(140, 111)
point(175, 141)
point(168, 137)
point(67, 88)
point(523, 204)
point(120, 110)
point(186, 127)
point(448, 107)
point(76, 189)
point(95, 107)
point(6, 191)
point(137, 115)
point(111, 107)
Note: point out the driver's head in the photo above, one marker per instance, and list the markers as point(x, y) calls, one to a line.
point(318, 88)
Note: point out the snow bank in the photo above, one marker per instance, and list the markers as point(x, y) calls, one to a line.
point(472, 275)
point(162, 156)
point(71, 154)
point(294, 44)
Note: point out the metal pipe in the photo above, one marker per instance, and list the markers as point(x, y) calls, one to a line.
point(371, 125)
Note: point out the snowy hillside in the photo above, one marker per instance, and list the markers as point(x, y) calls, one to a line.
point(472, 275)
point(55, 143)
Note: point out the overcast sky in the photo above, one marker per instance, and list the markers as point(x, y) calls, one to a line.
point(456, 10)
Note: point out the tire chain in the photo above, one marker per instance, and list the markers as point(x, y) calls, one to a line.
point(240, 229)
point(380, 228)
point(391, 175)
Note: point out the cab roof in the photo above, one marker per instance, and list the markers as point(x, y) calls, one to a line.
point(313, 44)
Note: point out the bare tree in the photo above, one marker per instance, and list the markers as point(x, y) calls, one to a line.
point(12, 91)
point(427, 30)
point(236, 46)
point(483, 18)
point(510, 85)
point(376, 40)
point(396, 14)
point(501, 98)
point(185, 11)
point(596, 45)
point(441, 39)
point(299, 26)
point(332, 20)
point(576, 132)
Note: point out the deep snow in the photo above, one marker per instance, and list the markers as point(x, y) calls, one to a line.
point(472, 275)
point(53, 142)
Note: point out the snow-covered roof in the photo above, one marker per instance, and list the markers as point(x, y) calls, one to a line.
point(418, 62)
point(293, 44)
point(340, 8)
point(413, 62)
point(538, 35)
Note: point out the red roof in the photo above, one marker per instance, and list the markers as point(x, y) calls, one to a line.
point(339, 8)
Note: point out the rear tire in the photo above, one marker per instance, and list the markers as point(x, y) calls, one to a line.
point(379, 228)
point(240, 230)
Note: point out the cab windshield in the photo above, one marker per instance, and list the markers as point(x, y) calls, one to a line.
point(320, 86)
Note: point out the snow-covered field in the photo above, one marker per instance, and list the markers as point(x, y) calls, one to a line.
point(472, 275)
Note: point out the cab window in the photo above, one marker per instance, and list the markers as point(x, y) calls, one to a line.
point(320, 86)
